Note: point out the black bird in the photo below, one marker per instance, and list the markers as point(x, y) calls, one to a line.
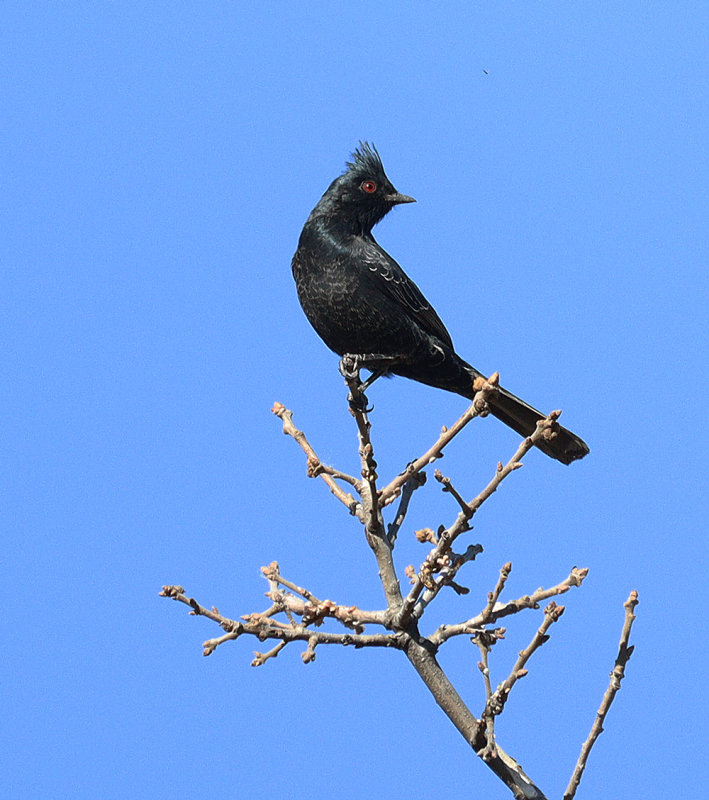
point(364, 306)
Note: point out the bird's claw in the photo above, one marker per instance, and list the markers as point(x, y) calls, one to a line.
point(349, 367)
point(359, 403)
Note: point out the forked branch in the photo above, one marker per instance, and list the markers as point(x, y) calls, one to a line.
point(297, 615)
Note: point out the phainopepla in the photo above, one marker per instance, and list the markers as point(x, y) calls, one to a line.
point(364, 306)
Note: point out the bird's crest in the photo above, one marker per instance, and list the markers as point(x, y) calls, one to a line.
point(366, 159)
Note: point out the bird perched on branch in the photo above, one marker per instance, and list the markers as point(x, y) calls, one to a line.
point(366, 308)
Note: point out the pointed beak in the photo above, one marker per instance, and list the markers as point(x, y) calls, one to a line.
point(397, 198)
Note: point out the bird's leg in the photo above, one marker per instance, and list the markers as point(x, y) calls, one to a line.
point(352, 363)
point(377, 373)
point(349, 369)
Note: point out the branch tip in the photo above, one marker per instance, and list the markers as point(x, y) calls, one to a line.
point(616, 676)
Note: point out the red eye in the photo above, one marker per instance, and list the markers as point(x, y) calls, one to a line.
point(369, 186)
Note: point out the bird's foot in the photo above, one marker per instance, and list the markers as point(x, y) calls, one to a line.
point(350, 366)
point(376, 363)
point(358, 402)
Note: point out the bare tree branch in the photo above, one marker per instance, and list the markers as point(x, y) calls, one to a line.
point(494, 596)
point(496, 703)
point(264, 628)
point(413, 483)
point(261, 658)
point(303, 616)
point(617, 675)
point(477, 408)
point(272, 573)
point(501, 610)
point(448, 487)
point(484, 640)
point(462, 522)
point(372, 519)
point(447, 566)
point(317, 612)
point(315, 466)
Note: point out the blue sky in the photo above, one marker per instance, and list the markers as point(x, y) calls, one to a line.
point(158, 162)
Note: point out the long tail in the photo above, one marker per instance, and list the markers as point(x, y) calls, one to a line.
point(455, 375)
point(522, 418)
point(515, 413)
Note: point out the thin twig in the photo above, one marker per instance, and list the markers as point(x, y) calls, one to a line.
point(315, 466)
point(312, 610)
point(264, 628)
point(533, 600)
point(309, 654)
point(494, 596)
point(475, 409)
point(446, 577)
point(371, 516)
point(448, 487)
point(462, 522)
point(316, 612)
point(483, 643)
point(410, 487)
point(617, 675)
point(262, 658)
point(496, 703)
point(211, 645)
point(272, 574)
point(366, 452)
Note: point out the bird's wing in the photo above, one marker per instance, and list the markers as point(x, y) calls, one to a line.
point(394, 282)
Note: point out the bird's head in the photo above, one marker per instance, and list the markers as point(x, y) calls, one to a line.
point(363, 194)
